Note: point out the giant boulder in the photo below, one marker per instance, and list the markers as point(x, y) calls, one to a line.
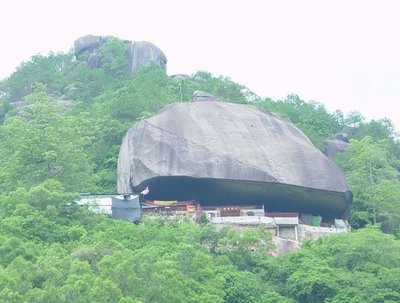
point(225, 153)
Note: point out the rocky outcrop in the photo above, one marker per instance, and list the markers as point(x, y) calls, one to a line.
point(342, 137)
point(219, 152)
point(86, 43)
point(336, 146)
point(181, 77)
point(141, 53)
point(138, 52)
point(203, 96)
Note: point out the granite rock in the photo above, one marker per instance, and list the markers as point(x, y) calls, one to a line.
point(219, 151)
point(139, 53)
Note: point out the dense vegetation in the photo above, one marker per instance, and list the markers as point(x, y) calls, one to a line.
point(61, 126)
point(53, 251)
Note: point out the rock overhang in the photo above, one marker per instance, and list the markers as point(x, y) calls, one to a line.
point(276, 197)
point(226, 153)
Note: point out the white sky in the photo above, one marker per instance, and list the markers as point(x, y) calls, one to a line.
point(344, 54)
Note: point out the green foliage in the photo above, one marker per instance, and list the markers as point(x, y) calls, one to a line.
point(222, 87)
point(311, 117)
point(42, 143)
point(241, 287)
point(381, 129)
point(51, 70)
point(85, 83)
point(75, 256)
point(369, 169)
point(53, 250)
point(5, 107)
point(274, 297)
point(148, 91)
point(63, 256)
point(346, 267)
point(113, 59)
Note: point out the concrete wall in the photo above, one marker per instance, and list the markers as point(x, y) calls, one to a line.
point(285, 246)
point(250, 220)
point(288, 232)
point(315, 232)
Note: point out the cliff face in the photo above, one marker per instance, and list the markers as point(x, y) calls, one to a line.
point(138, 52)
point(227, 153)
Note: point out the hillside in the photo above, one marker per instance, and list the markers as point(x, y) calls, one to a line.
point(86, 111)
point(62, 123)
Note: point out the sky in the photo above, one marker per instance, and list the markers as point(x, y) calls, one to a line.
point(344, 54)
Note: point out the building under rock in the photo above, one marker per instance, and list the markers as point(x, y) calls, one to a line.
point(288, 229)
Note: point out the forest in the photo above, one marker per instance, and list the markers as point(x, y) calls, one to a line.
point(61, 124)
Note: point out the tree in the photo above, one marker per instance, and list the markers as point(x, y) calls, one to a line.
point(310, 117)
point(354, 119)
point(148, 92)
point(8, 296)
point(221, 87)
point(313, 281)
point(346, 267)
point(382, 129)
point(372, 178)
point(41, 143)
point(274, 297)
point(52, 70)
point(241, 287)
point(113, 58)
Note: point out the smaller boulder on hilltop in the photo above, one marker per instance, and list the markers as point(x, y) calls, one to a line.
point(203, 96)
point(88, 49)
point(337, 145)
